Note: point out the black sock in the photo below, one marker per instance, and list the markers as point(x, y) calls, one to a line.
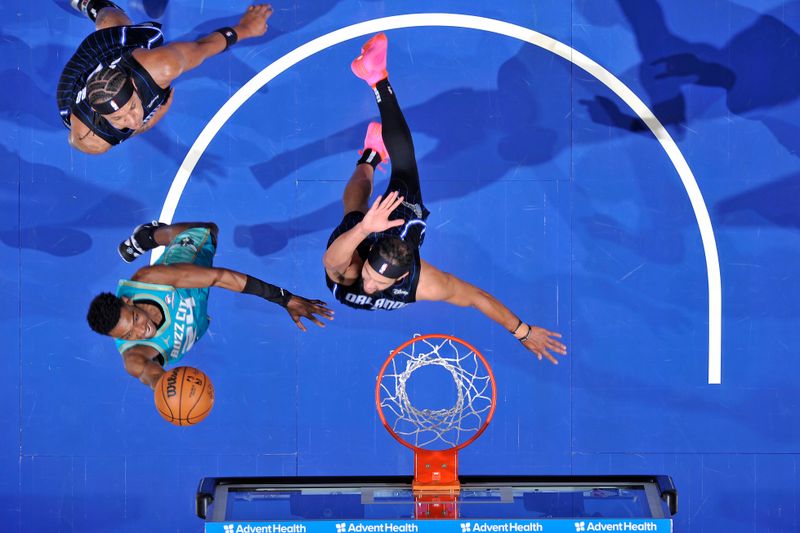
point(370, 157)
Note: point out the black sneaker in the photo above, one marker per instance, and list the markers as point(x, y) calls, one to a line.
point(82, 6)
point(140, 241)
point(79, 5)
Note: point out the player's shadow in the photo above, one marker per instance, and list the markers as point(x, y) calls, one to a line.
point(773, 203)
point(59, 229)
point(479, 136)
point(646, 217)
point(692, 407)
point(765, 50)
point(33, 102)
point(34, 107)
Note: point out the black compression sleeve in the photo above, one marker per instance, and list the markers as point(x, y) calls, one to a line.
point(267, 291)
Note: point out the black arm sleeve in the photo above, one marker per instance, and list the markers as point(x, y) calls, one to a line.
point(267, 291)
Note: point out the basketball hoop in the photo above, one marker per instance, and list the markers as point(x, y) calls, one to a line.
point(436, 434)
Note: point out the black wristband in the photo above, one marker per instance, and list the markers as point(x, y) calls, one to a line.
point(230, 35)
point(514, 331)
point(267, 291)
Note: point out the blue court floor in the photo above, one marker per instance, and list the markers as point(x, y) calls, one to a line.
point(628, 176)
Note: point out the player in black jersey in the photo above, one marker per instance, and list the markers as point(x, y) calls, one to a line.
point(372, 261)
point(119, 82)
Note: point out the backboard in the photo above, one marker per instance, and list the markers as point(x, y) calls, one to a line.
point(510, 504)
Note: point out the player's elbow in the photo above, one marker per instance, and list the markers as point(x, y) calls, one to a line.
point(170, 70)
point(145, 274)
point(465, 294)
point(328, 262)
point(479, 298)
point(134, 366)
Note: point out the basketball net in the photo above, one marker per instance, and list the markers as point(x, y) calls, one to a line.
point(436, 435)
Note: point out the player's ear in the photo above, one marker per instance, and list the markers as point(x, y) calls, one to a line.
point(126, 300)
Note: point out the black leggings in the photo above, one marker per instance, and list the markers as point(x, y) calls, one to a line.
point(399, 144)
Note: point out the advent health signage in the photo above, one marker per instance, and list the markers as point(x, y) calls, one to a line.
point(563, 525)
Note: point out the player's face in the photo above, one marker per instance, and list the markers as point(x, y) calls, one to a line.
point(129, 116)
point(134, 324)
point(374, 282)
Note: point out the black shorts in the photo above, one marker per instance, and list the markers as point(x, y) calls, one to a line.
point(101, 48)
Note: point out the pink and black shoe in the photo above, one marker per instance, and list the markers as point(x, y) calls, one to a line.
point(370, 66)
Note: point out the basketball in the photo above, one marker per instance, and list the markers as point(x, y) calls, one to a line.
point(184, 396)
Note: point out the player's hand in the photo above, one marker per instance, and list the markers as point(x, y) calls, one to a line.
point(542, 342)
point(377, 218)
point(299, 307)
point(254, 21)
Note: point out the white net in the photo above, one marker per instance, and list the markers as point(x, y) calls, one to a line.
point(437, 428)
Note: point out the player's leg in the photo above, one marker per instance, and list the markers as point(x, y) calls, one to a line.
point(188, 242)
point(359, 187)
point(399, 144)
point(146, 237)
point(370, 66)
point(166, 234)
point(103, 13)
point(111, 16)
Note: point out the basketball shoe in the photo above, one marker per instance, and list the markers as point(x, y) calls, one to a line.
point(370, 66)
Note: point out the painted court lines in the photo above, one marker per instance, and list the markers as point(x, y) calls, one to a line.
point(516, 32)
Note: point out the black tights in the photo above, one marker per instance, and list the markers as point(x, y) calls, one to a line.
point(399, 144)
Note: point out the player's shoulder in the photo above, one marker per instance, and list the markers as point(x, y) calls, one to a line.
point(433, 284)
point(162, 64)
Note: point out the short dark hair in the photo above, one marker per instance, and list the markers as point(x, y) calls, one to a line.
point(394, 251)
point(104, 85)
point(104, 312)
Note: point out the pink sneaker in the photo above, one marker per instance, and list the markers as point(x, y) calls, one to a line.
point(370, 66)
point(374, 140)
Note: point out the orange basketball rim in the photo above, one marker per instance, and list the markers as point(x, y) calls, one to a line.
point(436, 435)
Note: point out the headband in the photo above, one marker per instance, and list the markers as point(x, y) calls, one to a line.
point(117, 101)
point(384, 267)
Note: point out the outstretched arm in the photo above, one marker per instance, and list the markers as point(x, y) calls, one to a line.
point(191, 276)
point(167, 62)
point(436, 285)
point(139, 364)
point(339, 257)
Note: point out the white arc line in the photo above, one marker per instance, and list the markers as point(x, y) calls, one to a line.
point(510, 30)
